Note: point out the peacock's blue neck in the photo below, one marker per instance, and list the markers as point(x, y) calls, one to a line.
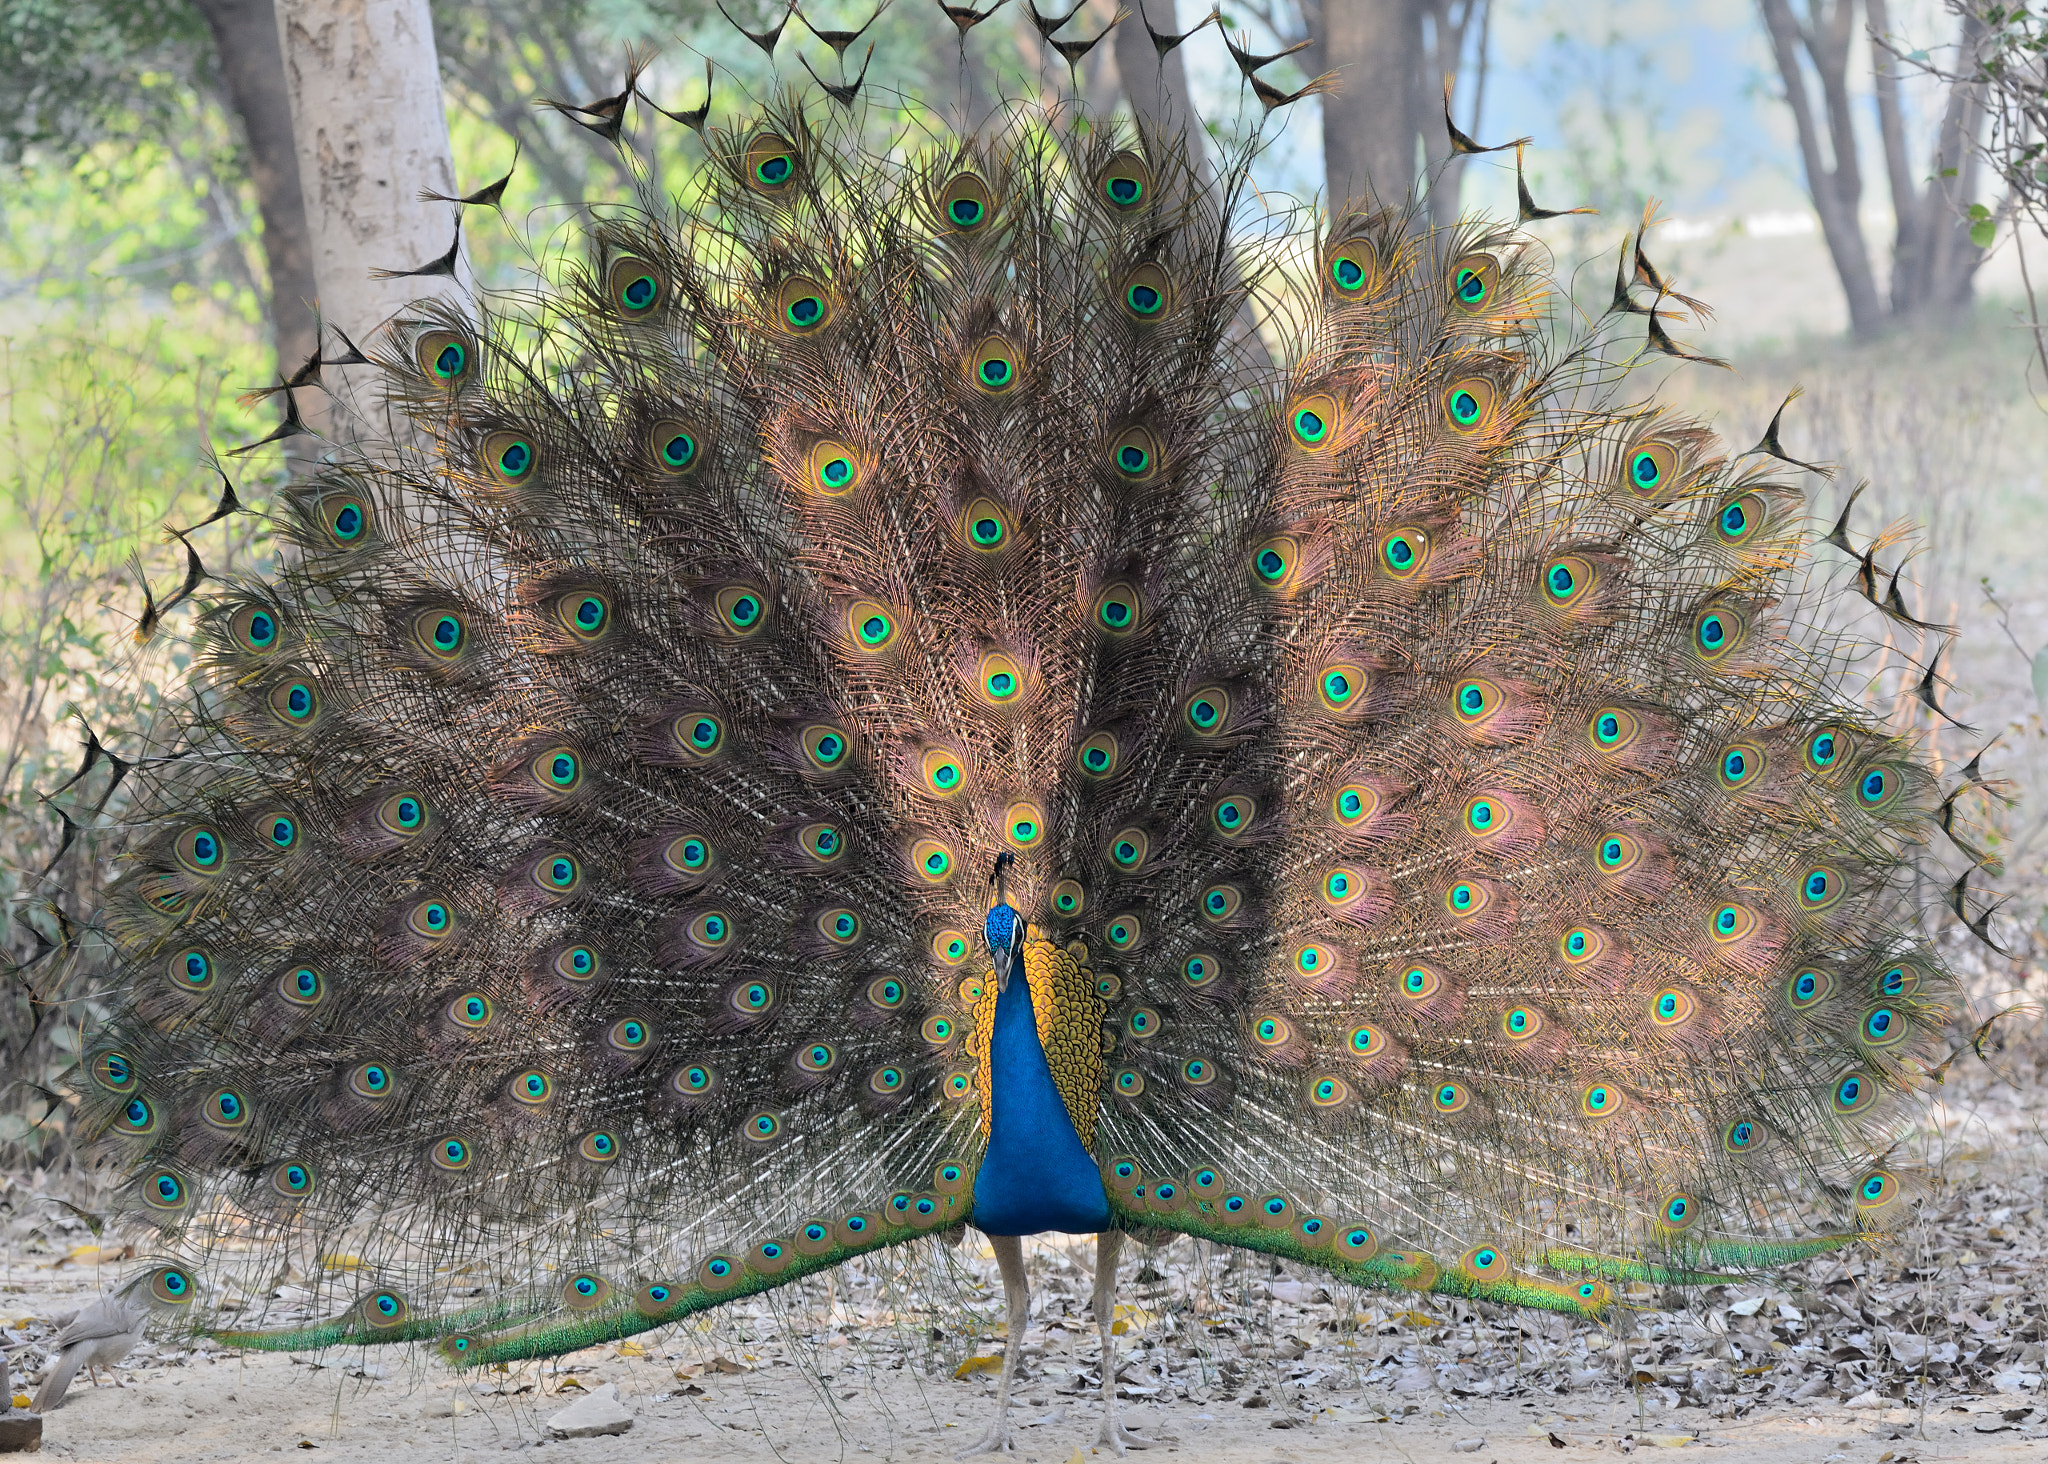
point(1036, 1175)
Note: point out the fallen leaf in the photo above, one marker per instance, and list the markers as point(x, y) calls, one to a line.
point(975, 1365)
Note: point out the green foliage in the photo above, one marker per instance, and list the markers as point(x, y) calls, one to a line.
point(75, 71)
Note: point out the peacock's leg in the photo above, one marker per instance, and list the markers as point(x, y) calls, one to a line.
point(1009, 1251)
point(1107, 1246)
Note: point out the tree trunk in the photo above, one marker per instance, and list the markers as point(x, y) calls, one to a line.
point(1155, 85)
point(365, 94)
point(1369, 135)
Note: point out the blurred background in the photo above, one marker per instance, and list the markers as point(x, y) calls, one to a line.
point(1856, 187)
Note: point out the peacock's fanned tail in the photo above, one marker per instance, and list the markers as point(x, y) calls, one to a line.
point(1452, 861)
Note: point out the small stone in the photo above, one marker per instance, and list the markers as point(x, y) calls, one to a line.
point(1468, 1446)
point(597, 1413)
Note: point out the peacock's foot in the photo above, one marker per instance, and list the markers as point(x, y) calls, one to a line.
point(995, 1441)
point(1113, 1435)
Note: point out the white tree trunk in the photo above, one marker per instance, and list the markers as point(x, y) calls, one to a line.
point(366, 115)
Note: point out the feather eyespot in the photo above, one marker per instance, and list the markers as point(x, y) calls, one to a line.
point(1568, 580)
point(832, 469)
point(1147, 293)
point(255, 629)
point(585, 1291)
point(1485, 1263)
point(557, 874)
point(1582, 945)
point(1343, 886)
point(599, 1147)
point(1220, 902)
point(1678, 1212)
point(1466, 899)
point(510, 457)
point(164, 1190)
point(1069, 899)
point(1201, 971)
point(1404, 553)
point(292, 1179)
point(1341, 687)
point(1469, 405)
point(802, 305)
point(1024, 825)
point(441, 633)
point(1098, 755)
point(1418, 983)
point(1124, 932)
point(451, 1154)
point(1312, 421)
point(1821, 887)
point(1234, 815)
point(404, 816)
point(951, 947)
point(965, 203)
point(114, 1071)
point(1855, 1092)
point(1475, 281)
point(984, 526)
point(201, 851)
point(770, 163)
point(713, 930)
point(1135, 455)
point(471, 1011)
point(372, 1081)
point(1899, 980)
point(302, 986)
point(1351, 268)
point(633, 287)
point(871, 626)
point(1740, 765)
point(1475, 700)
point(995, 367)
point(1206, 711)
point(1731, 923)
point(345, 518)
point(1521, 1024)
point(432, 920)
point(1450, 1098)
point(1809, 987)
point(1613, 730)
point(1353, 804)
point(676, 446)
point(1124, 184)
point(1129, 849)
point(1601, 1100)
point(1829, 750)
point(137, 1118)
point(585, 614)
point(742, 609)
point(999, 679)
point(1672, 1007)
point(1650, 470)
point(1878, 786)
point(932, 861)
point(295, 701)
point(1740, 519)
point(444, 357)
point(556, 771)
point(1718, 631)
point(840, 927)
point(629, 1036)
point(1118, 609)
point(577, 964)
point(825, 747)
point(943, 772)
point(1617, 853)
point(822, 842)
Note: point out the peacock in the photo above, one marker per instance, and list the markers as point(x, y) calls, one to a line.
point(988, 680)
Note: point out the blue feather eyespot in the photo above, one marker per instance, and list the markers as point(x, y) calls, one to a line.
point(292, 1180)
point(633, 286)
point(932, 861)
point(870, 625)
point(887, 993)
point(1821, 887)
point(585, 1291)
point(432, 920)
point(1731, 924)
point(1677, 1212)
point(1718, 631)
point(984, 526)
point(1357, 1243)
point(742, 609)
point(1343, 886)
point(510, 457)
point(952, 1178)
point(1739, 520)
point(1672, 1007)
point(1740, 766)
point(951, 946)
point(1616, 853)
point(1811, 986)
point(1466, 899)
point(586, 615)
point(192, 971)
point(713, 930)
point(1125, 183)
point(1613, 730)
point(677, 448)
point(471, 1010)
point(886, 1081)
point(825, 747)
point(1198, 1072)
point(999, 679)
point(1206, 712)
point(1147, 293)
point(1581, 945)
point(114, 1071)
point(404, 815)
point(1486, 816)
point(1272, 1031)
point(373, 1081)
point(1205, 1182)
point(1119, 609)
point(302, 986)
point(1451, 1098)
point(1475, 279)
point(164, 1189)
point(1877, 1190)
point(1024, 825)
point(1365, 1042)
point(578, 964)
point(532, 1088)
point(444, 357)
point(943, 771)
point(1568, 580)
point(345, 518)
point(1520, 1024)
point(1312, 421)
point(1098, 755)
point(832, 469)
point(689, 855)
point(770, 163)
point(202, 851)
point(938, 1030)
point(1650, 470)
point(255, 629)
point(770, 1257)
point(1124, 932)
point(1744, 1136)
point(628, 1035)
point(1469, 405)
point(1219, 902)
point(1476, 700)
point(295, 702)
point(1601, 1100)
point(1110, 987)
point(719, 1273)
point(965, 203)
point(1485, 1263)
point(840, 926)
point(1878, 786)
point(137, 1118)
point(1275, 561)
point(1328, 1091)
point(278, 830)
point(1352, 804)
point(1135, 455)
point(802, 305)
point(693, 1080)
point(1899, 980)
point(451, 1153)
point(1342, 687)
point(1144, 1022)
point(1128, 1082)
point(1201, 970)
point(1069, 898)
point(1420, 983)
point(440, 633)
point(995, 366)
point(1855, 1092)
point(1884, 1026)
point(1351, 268)
point(1233, 815)
point(1404, 553)
point(1129, 849)
point(822, 843)
point(957, 1086)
